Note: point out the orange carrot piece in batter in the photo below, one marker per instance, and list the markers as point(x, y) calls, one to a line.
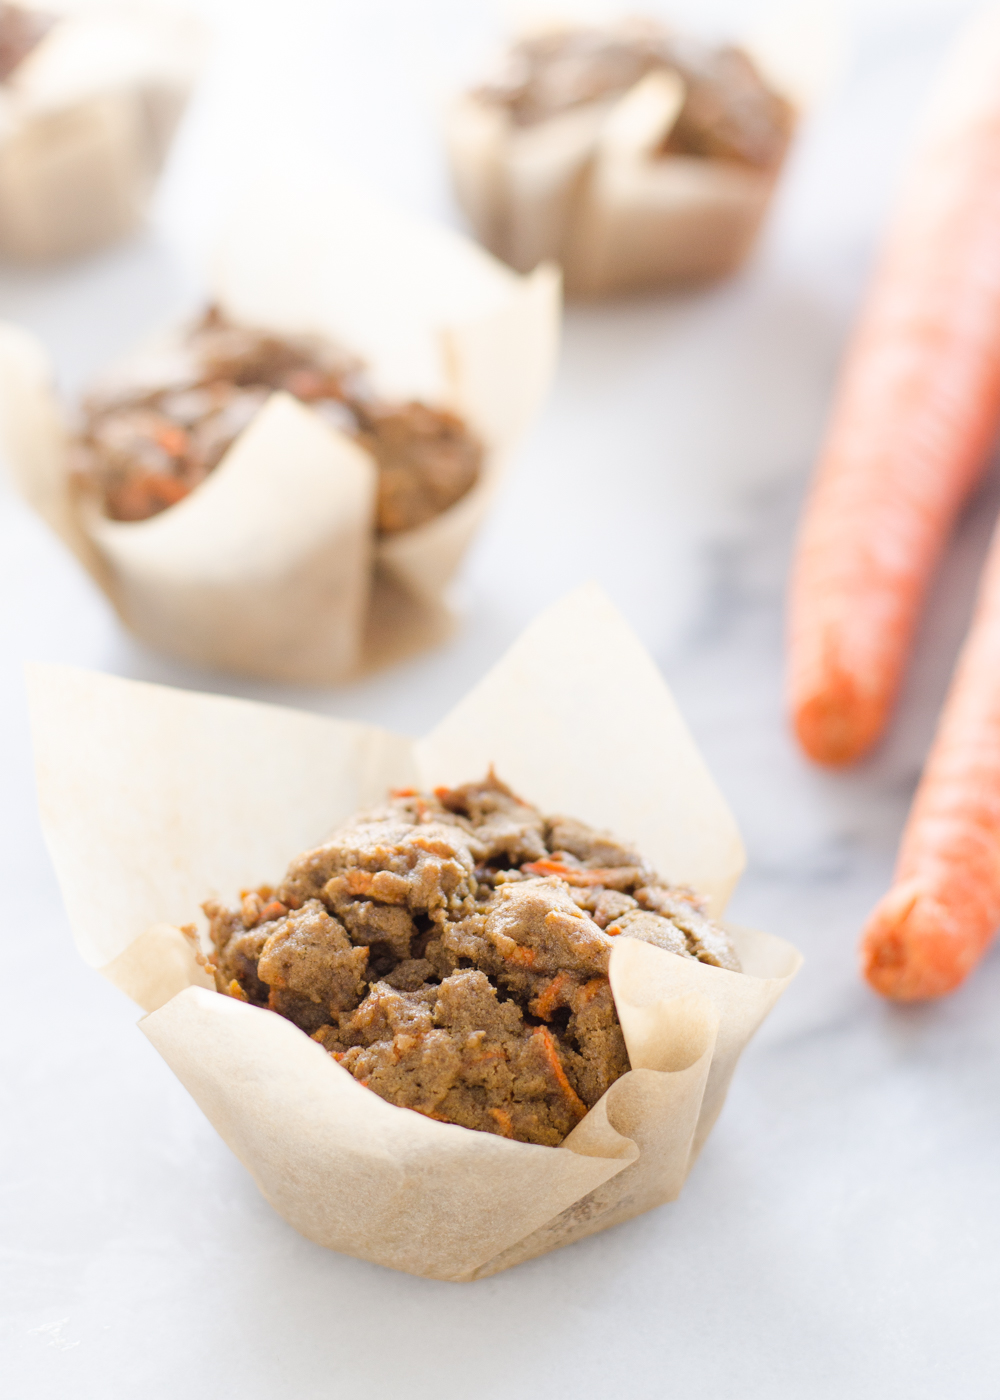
point(502, 1118)
point(573, 874)
point(549, 997)
point(576, 1104)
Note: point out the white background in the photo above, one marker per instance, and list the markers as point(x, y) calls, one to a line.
point(840, 1235)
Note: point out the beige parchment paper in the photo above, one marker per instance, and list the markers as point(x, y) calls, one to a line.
point(586, 188)
point(152, 799)
point(86, 121)
point(273, 567)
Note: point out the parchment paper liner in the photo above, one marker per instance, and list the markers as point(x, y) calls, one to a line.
point(272, 566)
point(152, 798)
point(586, 189)
point(86, 121)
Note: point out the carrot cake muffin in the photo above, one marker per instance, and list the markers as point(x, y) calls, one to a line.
point(144, 447)
point(729, 112)
point(450, 950)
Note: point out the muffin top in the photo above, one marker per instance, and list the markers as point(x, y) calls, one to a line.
point(451, 949)
point(143, 447)
point(729, 112)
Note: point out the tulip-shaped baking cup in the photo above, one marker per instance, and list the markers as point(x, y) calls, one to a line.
point(273, 567)
point(86, 121)
point(153, 799)
point(591, 187)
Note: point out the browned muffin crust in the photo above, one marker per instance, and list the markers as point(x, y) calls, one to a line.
point(144, 449)
point(451, 951)
point(729, 112)
point(21, 30)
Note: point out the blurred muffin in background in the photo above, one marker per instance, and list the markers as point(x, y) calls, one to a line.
point(635, 157)
point(89, 101)
point(285, 486)
point(142, 447)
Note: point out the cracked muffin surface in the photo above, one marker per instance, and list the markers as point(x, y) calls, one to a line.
point(450, 950)
point(143, 447)
point(729, 111)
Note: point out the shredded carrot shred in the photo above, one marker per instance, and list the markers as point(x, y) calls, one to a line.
point(501, 1116)
point(578, 1107)
point(548, 999)
point(359, 881)
point(572, 874)
point(588, 991)
point(522, 957)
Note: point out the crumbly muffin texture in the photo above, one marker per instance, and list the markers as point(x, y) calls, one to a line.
point(450, 950)
point(729, 112)
point(143, 448)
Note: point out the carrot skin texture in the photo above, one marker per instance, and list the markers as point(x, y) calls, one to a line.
point(934, 925)
point(913, 422)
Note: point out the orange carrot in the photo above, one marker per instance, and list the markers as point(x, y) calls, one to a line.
point(549, 998)
point(174, 440)
point(358, 881)
point(581, 875)
point(502, 1118)
point(915, 415)
point(933, 926)
point(575, 1104)
point(588, 991)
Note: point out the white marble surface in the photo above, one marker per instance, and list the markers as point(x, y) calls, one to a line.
point(840, 1235)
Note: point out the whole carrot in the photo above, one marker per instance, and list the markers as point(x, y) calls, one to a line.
point(935, 923)
point(915, 415)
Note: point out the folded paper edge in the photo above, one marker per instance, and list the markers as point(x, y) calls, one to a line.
point(515, 344)
point(587, 607)
point(596, 1136)
point(481, 178)
point(127, 971)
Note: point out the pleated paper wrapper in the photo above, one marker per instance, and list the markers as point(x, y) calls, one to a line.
point(86, 121)
point(272, 567)
point(153, 799)
point(588, 189)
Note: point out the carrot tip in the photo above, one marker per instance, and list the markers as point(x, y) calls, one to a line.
point(911, 950)
point(837, 728)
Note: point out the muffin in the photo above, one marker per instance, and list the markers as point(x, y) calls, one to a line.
point(455, 952)
point(635, 157)
point(451, 949)
point(143, 448)
point(285, 487)
point(89, 102)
